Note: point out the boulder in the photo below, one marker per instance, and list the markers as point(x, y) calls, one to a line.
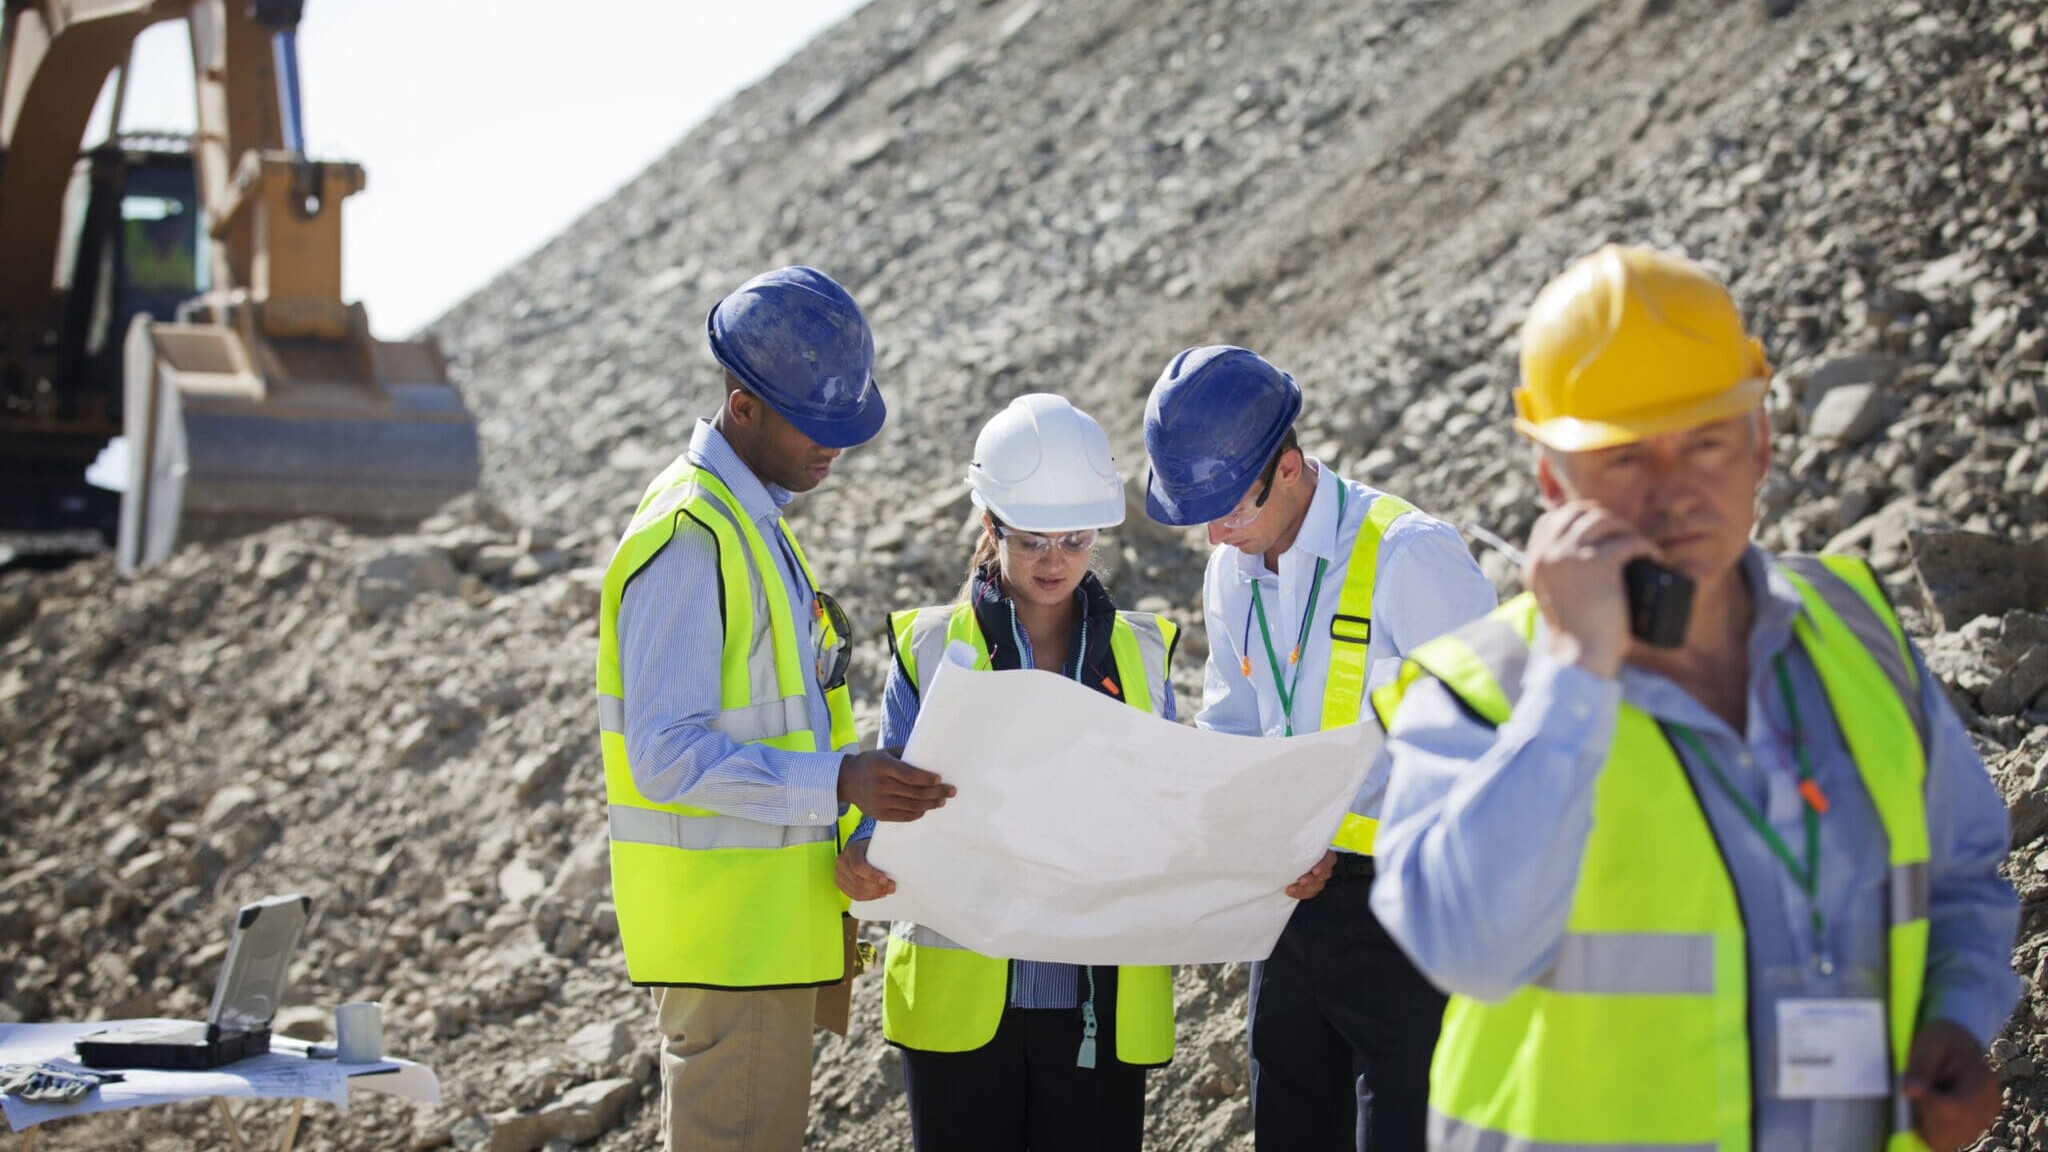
point(1964, 575)
point(599, 1043)
point(588, 1111)
point(402, 573)
point(1848, 415)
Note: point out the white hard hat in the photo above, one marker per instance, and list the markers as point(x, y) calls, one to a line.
point(1043, 465)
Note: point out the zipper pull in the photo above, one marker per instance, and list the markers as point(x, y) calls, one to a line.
point(1245, 663)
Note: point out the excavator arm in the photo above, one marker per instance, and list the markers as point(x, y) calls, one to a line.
point(262, 398)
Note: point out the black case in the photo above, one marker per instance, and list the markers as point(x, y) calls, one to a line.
point(245, 999)
point(212, 1052)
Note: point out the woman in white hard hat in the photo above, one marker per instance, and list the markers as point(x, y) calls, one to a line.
point(1014, 1054)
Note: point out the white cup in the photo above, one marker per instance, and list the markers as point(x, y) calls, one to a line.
point(359, 1032)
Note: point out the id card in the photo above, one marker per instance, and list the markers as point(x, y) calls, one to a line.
point(1832, 1049)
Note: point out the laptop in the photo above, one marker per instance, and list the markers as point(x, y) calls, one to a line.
point(245, 999)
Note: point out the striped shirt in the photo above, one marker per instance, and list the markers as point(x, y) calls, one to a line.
point(671, 638)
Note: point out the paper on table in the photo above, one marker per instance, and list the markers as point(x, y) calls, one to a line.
point(285, 1072)
point(1088, 832)
point(390, 1075)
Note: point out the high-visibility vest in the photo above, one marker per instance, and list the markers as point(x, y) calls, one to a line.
point(940, 997)
point(1638, 1035)
point(1350, 640)
point(704, 899)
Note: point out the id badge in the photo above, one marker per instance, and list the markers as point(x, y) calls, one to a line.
point(1832, 1050)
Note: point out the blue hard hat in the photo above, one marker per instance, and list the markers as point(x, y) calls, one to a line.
point(1212, 423)
point(797, 340)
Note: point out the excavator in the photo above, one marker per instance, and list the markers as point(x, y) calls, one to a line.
point(184, 293)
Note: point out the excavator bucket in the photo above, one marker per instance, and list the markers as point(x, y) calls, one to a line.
point(369, 433)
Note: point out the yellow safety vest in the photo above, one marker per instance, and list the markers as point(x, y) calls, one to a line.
point(1638, 1036)
point(1350, 640)
point(704, 899)
point(940, 997)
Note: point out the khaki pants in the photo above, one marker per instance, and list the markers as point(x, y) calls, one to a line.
point(735, 1068)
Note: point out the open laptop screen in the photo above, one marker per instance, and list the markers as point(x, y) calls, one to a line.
point(259, 958)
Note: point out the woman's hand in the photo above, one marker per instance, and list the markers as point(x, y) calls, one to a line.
point(1309, 883)
point(856, 878)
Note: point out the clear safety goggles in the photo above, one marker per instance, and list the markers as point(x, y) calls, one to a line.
point(1036, 544)
point(1246, 512)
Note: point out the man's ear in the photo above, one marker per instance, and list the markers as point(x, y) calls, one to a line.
point(1548, 481)
point(743, 406)
point(1290, 468)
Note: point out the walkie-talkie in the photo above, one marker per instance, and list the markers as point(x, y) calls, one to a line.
point(1659, 602)
point(1659, 598)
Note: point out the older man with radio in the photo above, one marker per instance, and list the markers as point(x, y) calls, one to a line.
point(1740, 891)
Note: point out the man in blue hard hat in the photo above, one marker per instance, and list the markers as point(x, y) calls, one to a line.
point(1317, 588)
point(728, 738)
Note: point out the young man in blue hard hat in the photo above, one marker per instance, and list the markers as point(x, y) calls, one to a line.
point(1316, 589)
point(1740, 891)
point(727, 733)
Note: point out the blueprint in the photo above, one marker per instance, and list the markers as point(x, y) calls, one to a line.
point(1088, 832)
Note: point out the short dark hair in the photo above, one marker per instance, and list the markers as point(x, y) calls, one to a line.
point(1288, 443)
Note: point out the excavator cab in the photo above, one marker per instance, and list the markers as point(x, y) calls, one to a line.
point(185, 294)
point(157, 257)
point(131, 246)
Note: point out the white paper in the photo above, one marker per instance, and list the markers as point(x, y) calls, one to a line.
point(285, 1072)
point(1832, 1049)
point(1088, 832)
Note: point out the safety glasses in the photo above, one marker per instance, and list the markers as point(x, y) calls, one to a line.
point(1244, 513)
point(832, 640)
point(1034, 544)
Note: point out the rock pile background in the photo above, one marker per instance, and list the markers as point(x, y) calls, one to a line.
point(1029, 194)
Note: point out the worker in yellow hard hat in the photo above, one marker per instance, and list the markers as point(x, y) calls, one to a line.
point(1718, 880)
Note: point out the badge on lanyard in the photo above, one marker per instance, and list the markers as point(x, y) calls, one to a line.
point(1832, 1049)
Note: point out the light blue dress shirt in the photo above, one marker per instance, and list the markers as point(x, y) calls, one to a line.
point(1484, 829)
point(1427, 584)
point(670, 640)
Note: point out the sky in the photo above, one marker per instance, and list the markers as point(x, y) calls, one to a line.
point(486, 126)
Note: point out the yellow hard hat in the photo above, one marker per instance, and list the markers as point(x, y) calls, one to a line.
point(1630, 343)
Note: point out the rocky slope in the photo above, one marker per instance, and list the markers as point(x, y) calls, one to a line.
point(1030, 194)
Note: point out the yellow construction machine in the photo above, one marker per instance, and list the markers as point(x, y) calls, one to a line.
point(185, 293)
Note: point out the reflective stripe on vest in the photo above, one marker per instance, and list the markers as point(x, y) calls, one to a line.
point(1350, 640)
point(672, 830)
point(940, 997)
point(1652, 970)
point(702, 898)
point(1448, 1135)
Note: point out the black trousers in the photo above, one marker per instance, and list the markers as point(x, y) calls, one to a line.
point(1022, 1090)
point(1342, 1028)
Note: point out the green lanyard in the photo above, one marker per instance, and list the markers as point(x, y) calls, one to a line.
point(1814, 804)
point(1281, 684)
